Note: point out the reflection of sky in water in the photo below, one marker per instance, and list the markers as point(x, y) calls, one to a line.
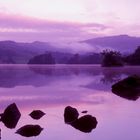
point(51, 89)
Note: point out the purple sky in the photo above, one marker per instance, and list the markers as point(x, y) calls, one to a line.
point(67, 20)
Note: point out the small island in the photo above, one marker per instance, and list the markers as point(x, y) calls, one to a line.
point(42, 59)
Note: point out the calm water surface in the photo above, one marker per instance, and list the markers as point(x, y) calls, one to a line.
point(52, 88)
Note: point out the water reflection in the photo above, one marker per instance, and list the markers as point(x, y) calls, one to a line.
point(65, 70)
point(60, 86)
point(22, 75)
point(111, 76)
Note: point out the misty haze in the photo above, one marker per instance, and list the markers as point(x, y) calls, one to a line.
point(69, 69)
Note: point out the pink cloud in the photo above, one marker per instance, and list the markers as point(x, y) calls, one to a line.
point(34, 29)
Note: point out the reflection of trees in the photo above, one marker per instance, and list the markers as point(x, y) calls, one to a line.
point(66, 70)
point(42, 70)
point(11, 76)
point(110, 76)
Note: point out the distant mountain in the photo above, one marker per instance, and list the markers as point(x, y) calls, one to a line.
point(20, 53)
point(13, 52)
point(123, 43)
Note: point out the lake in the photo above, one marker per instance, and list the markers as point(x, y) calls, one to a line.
point(85, 87)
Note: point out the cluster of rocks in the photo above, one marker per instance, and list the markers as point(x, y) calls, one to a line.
point(11, 116)
point(85, 123)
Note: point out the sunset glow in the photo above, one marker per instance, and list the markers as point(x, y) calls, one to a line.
point(117, 17)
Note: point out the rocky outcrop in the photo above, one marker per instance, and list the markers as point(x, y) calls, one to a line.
point(128, 88)
point(37, 114)
point(11, 116)
point(70, 114)
point(29, 130)
point(85, 123)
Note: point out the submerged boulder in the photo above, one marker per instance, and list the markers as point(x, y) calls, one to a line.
point(11, 116)
point(85, 123)
point(29, 130)
point(70, 114)
point(37, 114)
point(128, 88)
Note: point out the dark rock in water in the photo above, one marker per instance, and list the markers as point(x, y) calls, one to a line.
point(11, 116)
point(84, 112)
point(37, 114)
point(70, 114)
point(29, 130)
point(85, 124)
point(128, 88)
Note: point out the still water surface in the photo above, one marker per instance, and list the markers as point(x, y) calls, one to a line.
point(52, 88)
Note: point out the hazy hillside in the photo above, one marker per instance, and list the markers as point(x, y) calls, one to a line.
point(13, 52)
point(123, 43)
point(21, 53)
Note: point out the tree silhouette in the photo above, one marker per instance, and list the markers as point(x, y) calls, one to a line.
point(46, 58)
point(111, 58)
point(134, 59)
point(75, 59)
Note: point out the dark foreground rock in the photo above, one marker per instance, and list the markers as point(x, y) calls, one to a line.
point(85, 123)
point(37, 114)
point(128, 88)
point(11, 116)
point(84, 112)
point(29, 130)
point(70, 114)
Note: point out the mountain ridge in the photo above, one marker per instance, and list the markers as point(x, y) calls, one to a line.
point(20, 52)
point(122, 43)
